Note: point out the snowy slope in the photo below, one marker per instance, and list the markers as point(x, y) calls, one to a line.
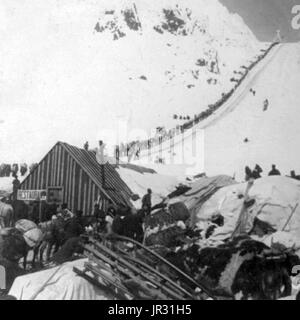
point(273, 135)
point(74, 79)
point(5, 185)
point(169, 69)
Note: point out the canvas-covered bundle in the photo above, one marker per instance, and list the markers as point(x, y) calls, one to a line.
point(201, 190)
point(275, 201)
point(31, 232)
point(59, 283)
point(165, 226)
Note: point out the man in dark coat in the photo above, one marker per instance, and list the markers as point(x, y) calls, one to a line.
point(130, 226)
point(294, 176)
point(98, 213)
point(248, 173)
point(274, 171)
point(73, 228)
point(16, 186)
point(111, 209)
point(146, 201)
point(68, 250)
point(256, 174)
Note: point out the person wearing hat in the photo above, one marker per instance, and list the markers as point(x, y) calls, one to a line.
point(146, 202)
point(274, 171)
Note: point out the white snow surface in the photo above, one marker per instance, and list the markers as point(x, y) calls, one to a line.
point(274, 135)
point(161, 185)
point(71, 82)
point(275, 199)
point(6, 186)
point(216, 146)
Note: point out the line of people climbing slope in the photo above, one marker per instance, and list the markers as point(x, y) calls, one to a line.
point(132, 150)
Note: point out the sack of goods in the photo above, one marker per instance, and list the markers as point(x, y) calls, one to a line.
point(31, 232)
point(179, 211)
point(24, 225)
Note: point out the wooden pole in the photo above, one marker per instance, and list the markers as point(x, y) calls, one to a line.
point(243, 215)
point(40, 210)
point(103, 175)
point(290, 217)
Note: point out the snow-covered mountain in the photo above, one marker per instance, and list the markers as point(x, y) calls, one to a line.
point(171, 57)
point(70, 68)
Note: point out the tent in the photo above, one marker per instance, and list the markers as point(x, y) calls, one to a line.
point(276, 200)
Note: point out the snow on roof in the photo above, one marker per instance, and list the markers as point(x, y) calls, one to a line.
point(161, 185)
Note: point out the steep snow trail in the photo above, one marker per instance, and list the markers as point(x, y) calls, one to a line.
point(241, 132)
point(75, 81)
point(273, 135)
point(243, 90)
point(186, 153)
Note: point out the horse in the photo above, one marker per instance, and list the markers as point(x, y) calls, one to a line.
point(20, 209)
point(53, 235)
point(130, 226)
point(6, 215)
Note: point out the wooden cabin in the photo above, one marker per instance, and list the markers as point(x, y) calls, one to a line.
point(72, 175)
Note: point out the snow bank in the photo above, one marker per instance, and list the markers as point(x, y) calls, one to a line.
point(161, 185)
point(201, 190)
point(6, 186)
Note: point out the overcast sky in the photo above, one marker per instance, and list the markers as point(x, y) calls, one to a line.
point(43, 66)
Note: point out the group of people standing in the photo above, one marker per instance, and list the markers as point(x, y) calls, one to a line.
point(121, 219)
point(63, 226)
point(257, 173)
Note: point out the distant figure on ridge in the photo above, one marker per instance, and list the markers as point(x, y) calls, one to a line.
point(294, 176)
point(16, 186)
point(278, 37)
point(266, 105)
point(274, 171)
point(100, 153)
point(248, 173)
point(256, 174)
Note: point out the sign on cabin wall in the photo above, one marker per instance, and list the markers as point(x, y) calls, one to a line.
point(55, 195)
point(32, 195)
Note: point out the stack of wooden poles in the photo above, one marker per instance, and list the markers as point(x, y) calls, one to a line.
point(123, 275)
